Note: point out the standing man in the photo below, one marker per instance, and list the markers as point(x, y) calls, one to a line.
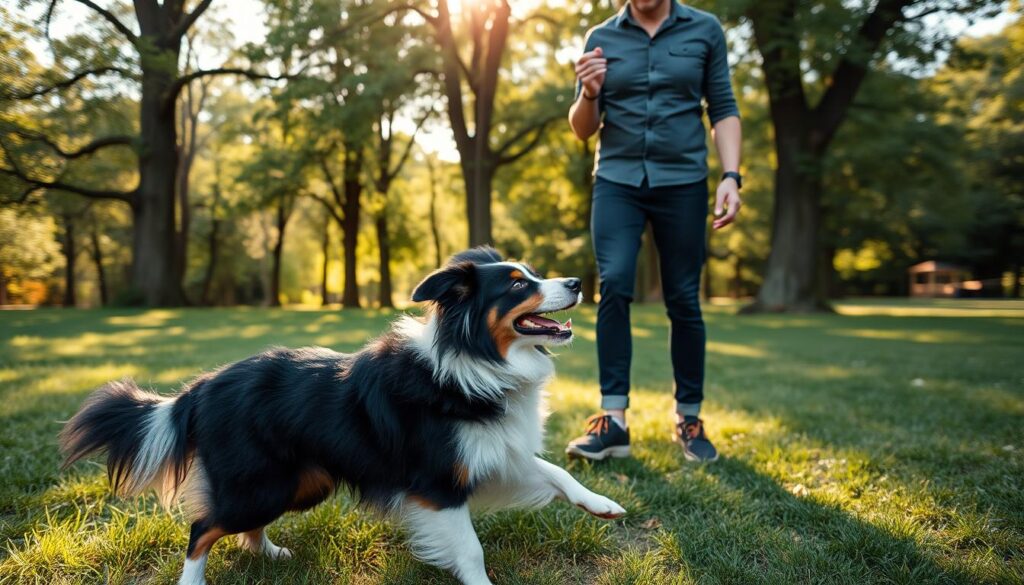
point(641, 82)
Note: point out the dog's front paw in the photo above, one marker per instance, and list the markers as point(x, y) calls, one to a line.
point(279, 553)
point(601, 506)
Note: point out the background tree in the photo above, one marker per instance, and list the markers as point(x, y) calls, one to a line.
point(812, 82)
point(147, 55)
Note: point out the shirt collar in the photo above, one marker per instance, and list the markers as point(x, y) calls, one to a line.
point(679, 12)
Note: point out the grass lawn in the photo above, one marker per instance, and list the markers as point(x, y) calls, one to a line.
point(881, 445)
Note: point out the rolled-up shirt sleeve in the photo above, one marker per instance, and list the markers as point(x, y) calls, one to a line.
point(717, 86)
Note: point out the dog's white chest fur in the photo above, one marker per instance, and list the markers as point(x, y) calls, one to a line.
point(502, 448)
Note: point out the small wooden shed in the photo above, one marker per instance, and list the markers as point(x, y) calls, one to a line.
point(936, 279)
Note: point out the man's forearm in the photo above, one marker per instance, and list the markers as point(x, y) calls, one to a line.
point(584, 117)
point(728, 135)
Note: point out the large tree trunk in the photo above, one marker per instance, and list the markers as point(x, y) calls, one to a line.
point(384, 250)
point(184, 223)
point(791, 281)
point(478, 175)
point(70, 260)
point(350, 228)
point(154, 270)
point(435, 231)
point(1018, 276)
point(325, 249)
point(97, 259)
point(212, 244)
point(4, 299)
point(274, 294)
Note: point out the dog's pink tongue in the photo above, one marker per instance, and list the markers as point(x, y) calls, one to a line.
point(545, 322)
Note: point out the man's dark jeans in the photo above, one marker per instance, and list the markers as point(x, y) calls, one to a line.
point(678, 217)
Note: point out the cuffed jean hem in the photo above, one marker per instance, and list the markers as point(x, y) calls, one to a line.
point(614, 402)
point(688, 409)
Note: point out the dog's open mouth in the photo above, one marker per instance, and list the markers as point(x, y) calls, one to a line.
point(535, 324)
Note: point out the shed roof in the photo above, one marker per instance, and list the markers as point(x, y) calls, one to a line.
point(935, 266)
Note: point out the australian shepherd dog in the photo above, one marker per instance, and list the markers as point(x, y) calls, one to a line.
point(433, 418)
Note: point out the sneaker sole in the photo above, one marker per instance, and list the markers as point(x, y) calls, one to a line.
point(614, 452)
point(690, 456)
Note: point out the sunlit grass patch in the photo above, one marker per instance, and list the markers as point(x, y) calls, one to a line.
point(880, 448)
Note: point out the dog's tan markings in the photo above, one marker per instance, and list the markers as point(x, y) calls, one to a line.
point(501, 329)
point(315, 484)
point(516, 275)
point(461, 475)
point(205, 542)
point(424, 502)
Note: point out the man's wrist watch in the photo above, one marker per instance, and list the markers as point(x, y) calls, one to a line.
point(734, 176)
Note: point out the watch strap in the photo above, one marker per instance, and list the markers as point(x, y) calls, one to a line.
point(735, 176)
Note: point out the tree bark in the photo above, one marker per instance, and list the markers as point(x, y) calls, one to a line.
point(97, 259)
point(154, 270)
point(488, 32)
point(479, 178)
point(325, 249)
point(434, 230)
point(4, 299)
point(802, 138)
point(384, 250)
point(274, 292)
point(791, 280)
point(212, 245)
point(350, 226)
point(70, 251)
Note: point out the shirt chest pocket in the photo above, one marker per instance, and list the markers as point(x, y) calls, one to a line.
point(689, 51)
point(686, 66)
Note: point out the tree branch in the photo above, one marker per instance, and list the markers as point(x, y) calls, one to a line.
point(65, 83)
point(109, 16)
point(327, 205)
point(181, 82)
point(452, 83)
point(504, 158)
point(186, 23)
point(774, 24)
point(126, 196)
point(89, 148)
point(339, 199)
point(853, 68)
point(408, 147)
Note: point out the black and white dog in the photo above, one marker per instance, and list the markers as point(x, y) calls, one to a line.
point(432, 418)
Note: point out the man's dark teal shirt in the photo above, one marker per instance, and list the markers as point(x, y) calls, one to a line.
point(651, 101)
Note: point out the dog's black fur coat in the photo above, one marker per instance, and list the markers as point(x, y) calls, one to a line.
point(243, 420)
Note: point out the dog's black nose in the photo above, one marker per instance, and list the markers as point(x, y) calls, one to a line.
point(573, 284)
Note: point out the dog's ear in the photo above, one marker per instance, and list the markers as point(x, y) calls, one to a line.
point(454, 281)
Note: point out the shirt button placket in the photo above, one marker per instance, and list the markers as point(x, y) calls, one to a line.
point(650, 96)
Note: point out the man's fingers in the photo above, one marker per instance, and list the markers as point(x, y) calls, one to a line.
point(719, 202)
point(590, 68)
point(596, 53)
point(734, 208)
point(593, 74)
point(582, 67)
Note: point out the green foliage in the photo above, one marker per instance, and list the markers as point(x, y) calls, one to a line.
point(28, 248)
point(927, 165)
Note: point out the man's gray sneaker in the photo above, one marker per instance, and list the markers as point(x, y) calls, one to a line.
point(604, 438)
point(696, 446)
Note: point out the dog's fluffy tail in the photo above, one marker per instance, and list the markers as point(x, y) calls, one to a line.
point(144, 435)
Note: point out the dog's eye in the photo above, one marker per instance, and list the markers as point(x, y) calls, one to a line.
point(518, 283)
